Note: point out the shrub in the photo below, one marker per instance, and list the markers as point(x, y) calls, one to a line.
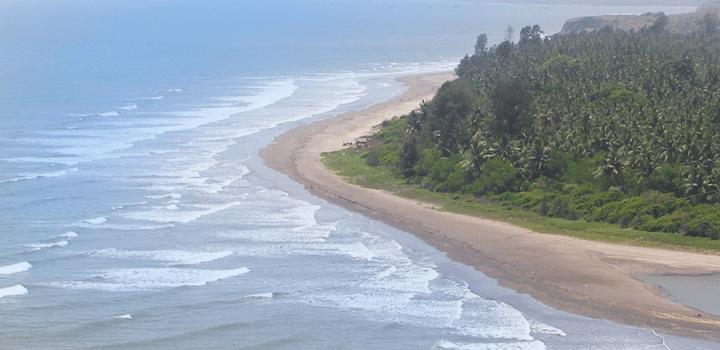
point(591, 202)
point(698, 221)
point(529, 199)
point(439, 171)
point(667, 179)
point(581, 171)
point(701, 221)
point(561, 208)
point(497, 176)
point(388, 154)
point(558, 163)
point(456, 181)
point(428, 161)
point(372, 158)
point(393, 130)
point(665, 223)
point(660, 204)
point(649, 206)
point(619, 95)
point(408, 156)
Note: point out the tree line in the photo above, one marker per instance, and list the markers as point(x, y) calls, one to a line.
point(609, 125)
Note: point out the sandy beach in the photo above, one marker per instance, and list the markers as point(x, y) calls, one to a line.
point(582, 277)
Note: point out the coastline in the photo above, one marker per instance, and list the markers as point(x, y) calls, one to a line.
point(586, 278)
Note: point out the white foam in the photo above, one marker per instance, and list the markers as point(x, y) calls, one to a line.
point(140, 279)
point(303, 239)
point(135, 227)
point(174, 90)
point(308, 245)
point(14, 290)
point(154, 98)
point(71, 147)
point(163, 151)
point(273, 92)
point(33, 176)
point(176, 257)
point(109, 114)
point(395, 288)
point(124, 317)
point(131, 204)
point(77, 146)
point(268, 295)
point(541, 328)
point(15, 268)
point(269, 94)
point(387, 272)
point(69, 234)
point(403, 308)
point(131, 107)
point(185, 216)
point(171, 207)
point(407, 278)
point(529, 345)
point(96, 221)
point(171, 195)
point(356, 250)
point(219, 184)
point(294, 214)
point(40, 246)
point(500, 320)
point(52, 160)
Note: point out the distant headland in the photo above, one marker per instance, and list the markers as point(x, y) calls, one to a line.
point(604, 2)
point(681, 23)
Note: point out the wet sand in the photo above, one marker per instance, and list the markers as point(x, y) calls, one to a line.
point(582, 277)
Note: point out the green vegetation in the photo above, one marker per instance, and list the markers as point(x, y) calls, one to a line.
point(609, 135)
point(352, 165)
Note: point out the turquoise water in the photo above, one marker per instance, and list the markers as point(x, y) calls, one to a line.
point(136, 213)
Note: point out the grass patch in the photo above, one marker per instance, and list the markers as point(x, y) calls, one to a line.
point(351, 165)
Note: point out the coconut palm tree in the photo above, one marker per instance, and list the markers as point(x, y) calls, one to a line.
point(699, 186)
point(613, 168)
point(475, 156)
point(537, 157)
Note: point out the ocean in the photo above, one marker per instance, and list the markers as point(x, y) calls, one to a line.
point(135, 211)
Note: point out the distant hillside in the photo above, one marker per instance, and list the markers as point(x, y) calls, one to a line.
point(682, 23)
point(600, 2)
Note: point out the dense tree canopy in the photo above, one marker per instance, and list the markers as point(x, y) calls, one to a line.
point(611, 125)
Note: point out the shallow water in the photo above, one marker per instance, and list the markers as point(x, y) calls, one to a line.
point(698, 292)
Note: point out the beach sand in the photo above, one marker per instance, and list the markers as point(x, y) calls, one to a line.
point(581, 277)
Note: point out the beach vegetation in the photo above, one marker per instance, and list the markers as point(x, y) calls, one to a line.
point(350, 164)
point(613, 127)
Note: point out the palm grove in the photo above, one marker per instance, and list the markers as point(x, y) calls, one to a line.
point(613, 126)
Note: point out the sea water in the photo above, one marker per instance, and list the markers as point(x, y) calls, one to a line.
point(136, 213)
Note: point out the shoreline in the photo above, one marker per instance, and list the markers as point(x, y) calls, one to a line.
point(592, 279)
